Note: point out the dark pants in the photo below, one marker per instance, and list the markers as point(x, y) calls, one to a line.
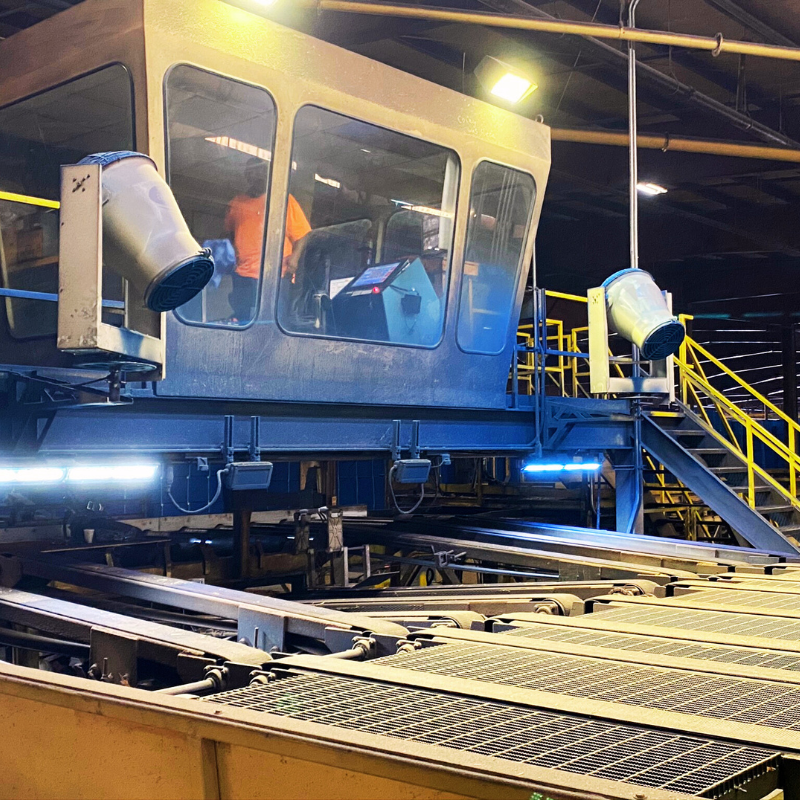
point(243, 297)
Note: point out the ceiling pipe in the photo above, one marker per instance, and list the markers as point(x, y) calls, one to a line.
point(527, 13)
point(716, 45)
point(633, 152)
point(667, 143)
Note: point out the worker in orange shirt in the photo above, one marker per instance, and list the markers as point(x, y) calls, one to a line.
point(244, 224)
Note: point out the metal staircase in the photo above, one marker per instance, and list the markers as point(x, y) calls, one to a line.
point(719, 477)
point(709, 446)
point(718, 465)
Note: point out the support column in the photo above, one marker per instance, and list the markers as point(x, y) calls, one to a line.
point(789, 362)
point(241, 542)
point(629, 492)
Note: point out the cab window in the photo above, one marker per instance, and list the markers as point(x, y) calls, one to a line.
point(500, 208)
point(37, 135)
point(220, 142)
point(368, 234)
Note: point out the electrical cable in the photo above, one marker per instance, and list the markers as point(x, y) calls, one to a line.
point(394, 498)
point(208, 504)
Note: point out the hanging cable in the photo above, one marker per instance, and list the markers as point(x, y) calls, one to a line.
point(394, 498)
point(208, 504)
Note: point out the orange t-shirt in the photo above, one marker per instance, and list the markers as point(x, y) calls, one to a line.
point(245, 220)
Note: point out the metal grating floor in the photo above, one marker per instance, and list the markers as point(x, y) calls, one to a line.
point(753, 626)
point(569, 743)
point(767, 703)
point(675, 648)
point(741, 597)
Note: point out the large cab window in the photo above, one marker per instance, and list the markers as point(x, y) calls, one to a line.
point(369, 230)
point(500, 207)
point(37, 135)
point(221, 135)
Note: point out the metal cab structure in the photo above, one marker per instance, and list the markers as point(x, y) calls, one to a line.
point(452, 341)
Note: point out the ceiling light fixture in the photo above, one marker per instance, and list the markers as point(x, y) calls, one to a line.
point(503, 81)
point(242, 147)
point(327, 181)
point(651, 189)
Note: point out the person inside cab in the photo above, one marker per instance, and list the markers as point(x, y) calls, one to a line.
point(244, 225)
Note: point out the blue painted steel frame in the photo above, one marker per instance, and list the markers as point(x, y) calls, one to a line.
point(162, 427)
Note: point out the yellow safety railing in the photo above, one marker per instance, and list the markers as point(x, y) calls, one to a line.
point(13, 197)
point(567, 373)
point(557, 340)
point(720, 416)
point(698, 394)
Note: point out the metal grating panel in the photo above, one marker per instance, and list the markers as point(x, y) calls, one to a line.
point(741, 597)
point(674, 648)
point(731, 623)
point(569, 743)
point(767, 703)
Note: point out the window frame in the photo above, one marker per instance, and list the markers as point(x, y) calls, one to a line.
point(478, 164)
point(268, 191)
point(59, 85)
point(80, 77)
point(456, 202)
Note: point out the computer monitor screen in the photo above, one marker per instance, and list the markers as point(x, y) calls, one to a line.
point(376, 275)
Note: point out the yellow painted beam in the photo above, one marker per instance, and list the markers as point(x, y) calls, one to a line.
point(13, 197)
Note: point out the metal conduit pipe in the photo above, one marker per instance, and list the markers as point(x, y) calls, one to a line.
point(44, 644)
point(534, 19)
point(666, 143)
point(716, 45)
point(216, 680)
point(197, 687)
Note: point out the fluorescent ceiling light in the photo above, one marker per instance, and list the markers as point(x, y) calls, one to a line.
point(651, 189)
point(242, 147)
point(434, 212)
point(32, 475)
point(328, 181)
point(513, 87)
point(113, 473)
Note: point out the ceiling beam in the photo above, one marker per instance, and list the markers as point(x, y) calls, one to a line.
point(766, 32)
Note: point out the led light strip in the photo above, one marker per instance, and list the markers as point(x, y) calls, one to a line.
point(583, 466)
point(110, 473)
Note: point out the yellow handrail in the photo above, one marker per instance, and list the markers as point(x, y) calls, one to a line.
point(564, 296)
point(741, 382)
point(694, 383)
point(13, 197)
point(697, 392)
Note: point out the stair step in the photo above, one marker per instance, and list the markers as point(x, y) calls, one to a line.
point(789, 529)
point(709, 450)
point(741, 468)
point(773, 509)
point(686, 432)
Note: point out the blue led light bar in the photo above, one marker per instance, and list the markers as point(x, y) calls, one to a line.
point(107, 473)
point(572, 466)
